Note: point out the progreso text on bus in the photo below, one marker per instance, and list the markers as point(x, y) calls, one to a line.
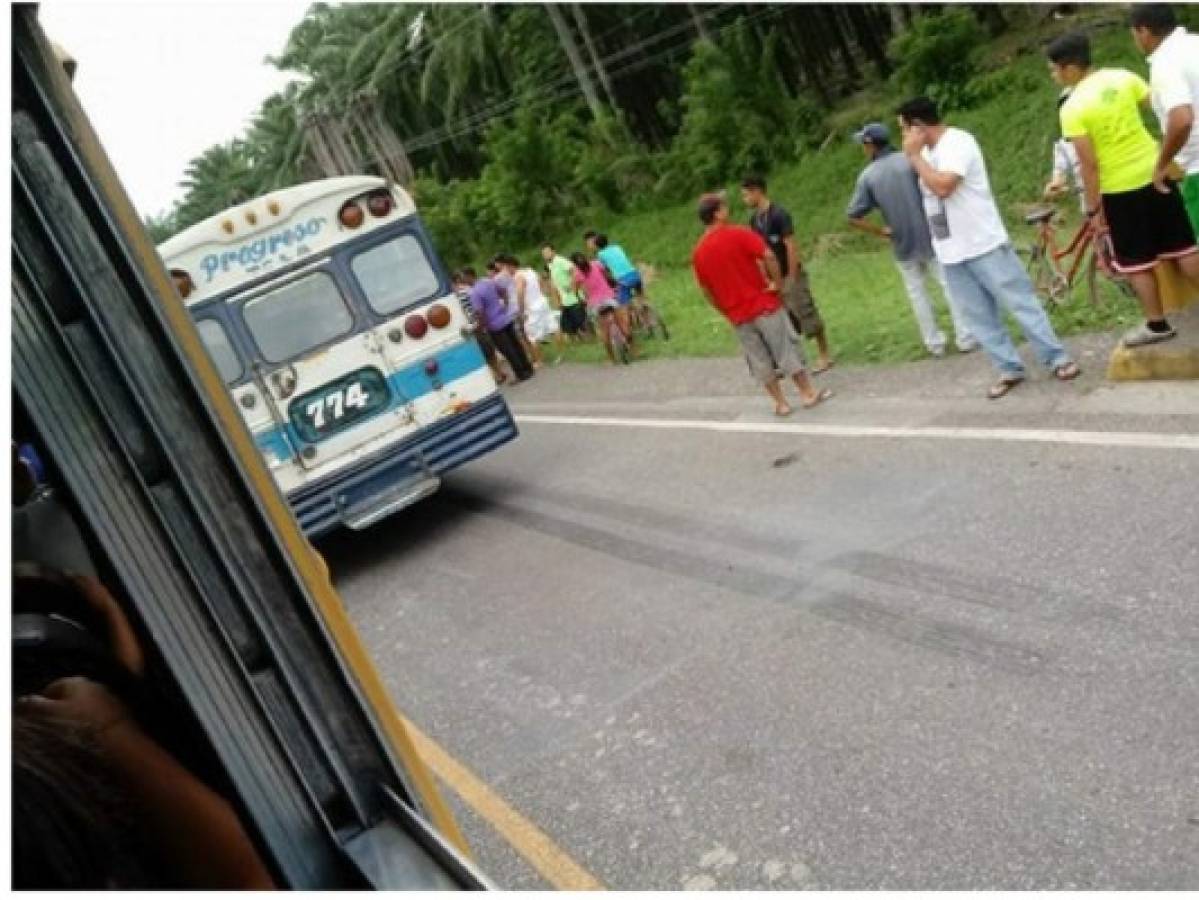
point(334, 325)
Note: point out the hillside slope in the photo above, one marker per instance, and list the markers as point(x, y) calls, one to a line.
point(854, 280)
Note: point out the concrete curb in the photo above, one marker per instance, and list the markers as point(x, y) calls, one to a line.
point(1174, 360)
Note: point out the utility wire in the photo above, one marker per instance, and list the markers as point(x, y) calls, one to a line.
point(453, 129)
point(556, 91)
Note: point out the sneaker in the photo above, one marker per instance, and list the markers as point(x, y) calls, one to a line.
point(1142, 335)
point(968, 347)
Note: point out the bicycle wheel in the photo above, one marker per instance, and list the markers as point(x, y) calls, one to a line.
point(1058, 290)
point(643, 319)
point(661, 323)
point(1093, 279)
point(1038, 269)
point(620, 346)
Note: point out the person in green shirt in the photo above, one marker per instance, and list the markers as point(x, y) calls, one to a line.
point(562, 279)
point(1125, 193)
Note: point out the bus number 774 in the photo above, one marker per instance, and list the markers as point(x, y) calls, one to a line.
point(353, 396)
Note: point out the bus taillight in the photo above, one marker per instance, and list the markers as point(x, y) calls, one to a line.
point(416, 326)
point(380, 203)
point(438, 315)
point(351, 215)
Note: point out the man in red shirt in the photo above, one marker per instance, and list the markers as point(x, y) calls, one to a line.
point(740, 277)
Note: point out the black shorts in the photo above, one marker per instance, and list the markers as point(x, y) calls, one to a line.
point(1148, 226)
point(574, 318)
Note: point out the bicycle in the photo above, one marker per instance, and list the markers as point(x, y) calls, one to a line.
point(614, 335)
point(1089, 252)
point(645, 320)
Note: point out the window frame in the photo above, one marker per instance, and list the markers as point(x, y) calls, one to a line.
point(273, 287)
point(230, 339)
point(431, 260)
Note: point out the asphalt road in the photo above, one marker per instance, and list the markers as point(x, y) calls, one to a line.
point(754, 660)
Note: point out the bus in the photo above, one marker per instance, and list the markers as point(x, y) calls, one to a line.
point(336, 329)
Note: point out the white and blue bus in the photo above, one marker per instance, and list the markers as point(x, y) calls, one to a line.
point(335, 327)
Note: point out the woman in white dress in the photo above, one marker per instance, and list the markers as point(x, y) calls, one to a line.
point(539, 320)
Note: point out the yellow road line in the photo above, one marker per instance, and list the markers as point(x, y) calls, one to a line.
point(527, 839)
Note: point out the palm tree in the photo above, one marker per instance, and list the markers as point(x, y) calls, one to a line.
point(220, 177)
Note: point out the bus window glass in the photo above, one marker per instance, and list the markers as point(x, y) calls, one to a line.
point(395, 274)
point(295, 318)
point(216, 341)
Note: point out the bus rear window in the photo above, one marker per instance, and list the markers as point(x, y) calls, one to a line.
point(297, 317)
point(395, 274)
point(216, 341)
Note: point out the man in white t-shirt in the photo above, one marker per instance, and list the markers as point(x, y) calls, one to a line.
point(1173, 54)
point(972, 245)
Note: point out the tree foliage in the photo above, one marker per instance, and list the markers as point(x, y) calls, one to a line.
point(488, 101)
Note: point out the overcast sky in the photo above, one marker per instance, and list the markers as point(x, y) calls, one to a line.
point(162, 81)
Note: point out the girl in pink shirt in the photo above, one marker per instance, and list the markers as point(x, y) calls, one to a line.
point(592, 277)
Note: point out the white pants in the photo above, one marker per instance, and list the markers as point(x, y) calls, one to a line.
point(915, 272)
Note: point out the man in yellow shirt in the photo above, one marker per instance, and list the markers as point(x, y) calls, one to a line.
point(1124, 193)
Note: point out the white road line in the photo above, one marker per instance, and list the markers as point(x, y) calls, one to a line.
point(1145, 439)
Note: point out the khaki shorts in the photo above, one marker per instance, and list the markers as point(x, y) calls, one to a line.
point(769, 347)
point(797, 298)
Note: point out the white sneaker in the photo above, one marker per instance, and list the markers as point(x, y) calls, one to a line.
point(1142, 335)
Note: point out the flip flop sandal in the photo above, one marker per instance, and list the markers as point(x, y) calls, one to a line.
point(1068, 372)
point(1002, 387)
point(825, 394)
point(823, 369)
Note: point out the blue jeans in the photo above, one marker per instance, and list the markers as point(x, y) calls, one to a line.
point(980, 286)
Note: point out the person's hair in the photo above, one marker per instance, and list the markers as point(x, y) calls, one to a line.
point(601, 241)
point(707, 212)
point(1073, 49)
point(508, 259)
point(464, 273)
point(548, 246)
point(494, 263)
point(588, 234)
point(919, 109)
point(73, 824)
point(580, 259)
point(754, 183)
point(1157, 18)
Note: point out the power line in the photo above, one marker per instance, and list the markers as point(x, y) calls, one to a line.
point(557, 90)
point(448, 131)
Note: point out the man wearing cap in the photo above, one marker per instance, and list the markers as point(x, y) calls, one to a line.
point(740, 276)
point(889, 184)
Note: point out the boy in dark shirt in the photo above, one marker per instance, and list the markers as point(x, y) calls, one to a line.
point(773, 224)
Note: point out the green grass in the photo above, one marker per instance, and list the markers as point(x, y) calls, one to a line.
point(865, 309)
point(854, 281)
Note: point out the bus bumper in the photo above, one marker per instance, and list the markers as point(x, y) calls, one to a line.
point(403, 473)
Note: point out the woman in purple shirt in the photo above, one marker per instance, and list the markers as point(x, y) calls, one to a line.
point(496, 317)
